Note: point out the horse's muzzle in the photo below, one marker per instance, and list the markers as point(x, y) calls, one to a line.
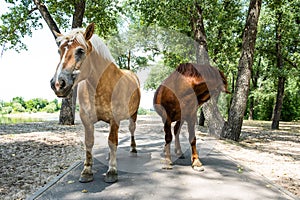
point(62, 85)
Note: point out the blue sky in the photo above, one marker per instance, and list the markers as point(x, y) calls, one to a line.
point(28, 73)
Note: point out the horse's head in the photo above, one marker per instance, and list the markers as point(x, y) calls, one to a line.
point(73, 49)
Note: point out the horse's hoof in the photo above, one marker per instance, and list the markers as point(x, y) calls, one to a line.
point(198, 168)
point(86, 178)
point(167, 164)
point(133, 151)
point(111, 177)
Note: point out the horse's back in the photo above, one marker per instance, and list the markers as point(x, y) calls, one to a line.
point(187, 88)
point(117, 94)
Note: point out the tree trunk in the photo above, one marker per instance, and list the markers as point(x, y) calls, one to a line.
point(210, 109)
point(200, 37)
point(278, 105)
point(78, 14)
point(232, 129)
point(281, 79)
point(128, 60)
point(254, 86)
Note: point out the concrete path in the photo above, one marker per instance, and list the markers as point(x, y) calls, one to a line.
point(142, 176)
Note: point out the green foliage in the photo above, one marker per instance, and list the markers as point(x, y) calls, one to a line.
point(23, 18)
point(127, 51)
point(157, 74)
point(51, 108)
point(36, 104)
point(19, 100)
point(6, 110)
point(18, 104)
point(17, 107)
point(143, 111)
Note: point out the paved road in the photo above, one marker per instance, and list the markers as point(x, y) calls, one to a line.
point(142, 176)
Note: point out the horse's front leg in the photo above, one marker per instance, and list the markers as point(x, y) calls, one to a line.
point(87, 173)
point(112, 172)
point(196, 164)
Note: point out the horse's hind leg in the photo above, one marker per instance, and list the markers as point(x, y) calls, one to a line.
point(112, 173)
point(132, 127)
point(87, 174)
point(177, 128)
point(168, 139)
point(196, 164)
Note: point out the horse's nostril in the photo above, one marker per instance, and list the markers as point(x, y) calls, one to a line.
point(62, 84)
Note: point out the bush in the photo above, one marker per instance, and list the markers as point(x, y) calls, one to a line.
point(6, 110)
point(17, 107)
point(19, 100)
point(51, 108)
point(36, 104)
point(143, 111)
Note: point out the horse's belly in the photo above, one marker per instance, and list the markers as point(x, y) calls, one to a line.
point(116, 110)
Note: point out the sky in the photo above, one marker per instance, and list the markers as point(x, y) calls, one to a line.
point(27, 74)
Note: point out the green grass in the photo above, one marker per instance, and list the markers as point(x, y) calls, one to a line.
point(16, 120)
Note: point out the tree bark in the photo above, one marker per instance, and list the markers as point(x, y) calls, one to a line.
point(128, 60)
point(281, 79)
point(232, 129)
point(78, 13)
point(210, 109)
point(254, 86)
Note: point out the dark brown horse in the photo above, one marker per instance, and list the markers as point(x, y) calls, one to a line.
point(178, 98)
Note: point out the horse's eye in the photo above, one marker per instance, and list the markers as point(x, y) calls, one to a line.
point(79, 53)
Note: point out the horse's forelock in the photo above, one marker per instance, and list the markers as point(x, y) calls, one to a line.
point(72, 35)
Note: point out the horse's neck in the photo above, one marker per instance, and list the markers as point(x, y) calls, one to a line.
point(98, 66)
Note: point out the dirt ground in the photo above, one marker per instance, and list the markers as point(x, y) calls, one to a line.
point(275, 154)
point(32, 154)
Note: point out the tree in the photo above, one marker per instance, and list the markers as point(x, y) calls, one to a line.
point(232, 129)
point(266, 74)
point(23, 19)
point(284, 19)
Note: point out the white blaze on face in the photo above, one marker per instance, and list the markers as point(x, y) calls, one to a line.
point(59, 69)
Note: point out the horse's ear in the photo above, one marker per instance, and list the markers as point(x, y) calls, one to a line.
point(57, 34)
point(89, 31)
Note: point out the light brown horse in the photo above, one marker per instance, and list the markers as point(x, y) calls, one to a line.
point(105, 92)
point(178, 98)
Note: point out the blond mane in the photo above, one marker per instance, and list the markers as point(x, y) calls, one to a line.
point(97, 43)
